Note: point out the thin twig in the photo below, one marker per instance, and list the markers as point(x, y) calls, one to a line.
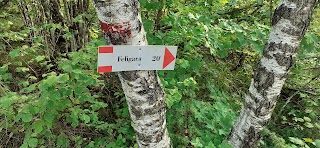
point(2, 91)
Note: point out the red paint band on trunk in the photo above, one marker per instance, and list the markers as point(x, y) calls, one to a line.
point(103, 69)
point(106, 49)
point(123, 29)
point(104, 26)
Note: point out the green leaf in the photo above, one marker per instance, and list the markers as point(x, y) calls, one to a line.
point(4, 69)
point(37, 39)
point(86, 118)
point(296, 141)
point(38, 126)
point(307, 119)
point(66, 67)
point(33, 142)
point(307, 140)
point(6, 76)
point(49, 118)
point(173, 96)
point(22, 69)
point(43, 86)
point(39, 58)
point(62, 140)
point(27, 117)
point(143, 2)
point(30, 88)
point(224, 144)
point(223, 53)
point(14, 53)
point(309, 125)
point(6, 103)
point(184, 63)
point(317, 142)
point(196, 142)
point(63, 78)
point(223, 1)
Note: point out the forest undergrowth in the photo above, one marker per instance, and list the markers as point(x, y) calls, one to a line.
point(52, 96)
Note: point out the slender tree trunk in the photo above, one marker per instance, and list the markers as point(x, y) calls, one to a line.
point(289, 24)
point(121, 23)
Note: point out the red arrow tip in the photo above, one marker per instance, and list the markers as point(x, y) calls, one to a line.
point(168, 58)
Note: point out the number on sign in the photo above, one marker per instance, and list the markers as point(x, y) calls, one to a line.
point(156, 58)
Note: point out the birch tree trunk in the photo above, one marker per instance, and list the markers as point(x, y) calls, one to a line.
point(121, 23)
point(289, 24)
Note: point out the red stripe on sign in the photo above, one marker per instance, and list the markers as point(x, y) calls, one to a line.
point(103, 69)
point(105, 49)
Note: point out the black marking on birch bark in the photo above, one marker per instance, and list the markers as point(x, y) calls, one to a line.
point(263, 122)
point(137, 111)
point(118, 39)
point(142, 92)
point(107, 38)
point(135, 102)
point(281, 12)
point(156, 110)
point(157, 84)
point(253, 97)
point(159, 122)
point(265, 107)
point(229, 135)
point(263, 79)
point(136, 9)
point(129, 75)
point(284, 60)
point(251, 138)
point(159, 135)
point(152, 98)
point(248, 105)
point(108, 14)
point(144, 39)
point(285, 48)
point(139, 26)
point(266, 53)
point(149, 138)
point(145, 138)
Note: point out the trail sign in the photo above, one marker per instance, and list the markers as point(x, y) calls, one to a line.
point(127, 58)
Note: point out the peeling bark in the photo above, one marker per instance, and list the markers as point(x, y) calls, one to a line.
point(121, 23)
point(289, 24)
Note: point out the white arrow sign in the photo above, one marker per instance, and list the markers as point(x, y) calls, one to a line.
point(127, 58)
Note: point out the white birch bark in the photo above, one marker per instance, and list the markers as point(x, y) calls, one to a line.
point(289, 24)
point(122, 25)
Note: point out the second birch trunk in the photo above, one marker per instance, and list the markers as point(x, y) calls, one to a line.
point(289, 24)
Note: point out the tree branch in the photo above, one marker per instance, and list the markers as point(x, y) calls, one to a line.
point(2, 91)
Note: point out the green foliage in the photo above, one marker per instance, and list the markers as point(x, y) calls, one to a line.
point(51, 95)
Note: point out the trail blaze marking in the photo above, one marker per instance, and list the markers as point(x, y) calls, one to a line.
point(124, 28)
point(128, 58)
